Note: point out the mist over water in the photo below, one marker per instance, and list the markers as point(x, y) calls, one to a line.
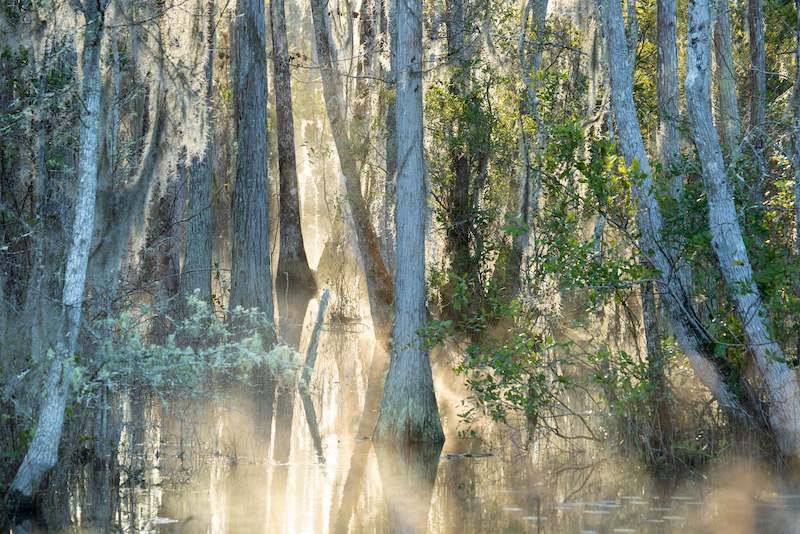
point(205, 468)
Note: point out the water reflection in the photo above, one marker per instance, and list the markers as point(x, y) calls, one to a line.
point(408, 474)
point(469, 486)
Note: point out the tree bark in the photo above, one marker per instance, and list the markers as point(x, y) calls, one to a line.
point(409, 412)
point(251, 276)
point(293, 273)
point(42, 454)
point(726, 83)
point(196, 271)
point(780, 385)
point(758, 89)
point(379, 281)
point(713, 371)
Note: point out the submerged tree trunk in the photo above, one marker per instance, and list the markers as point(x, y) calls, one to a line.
point(779, 382)
point(409, 412)
point(42, 454)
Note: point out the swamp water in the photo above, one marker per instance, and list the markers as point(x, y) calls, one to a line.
point(207, 471)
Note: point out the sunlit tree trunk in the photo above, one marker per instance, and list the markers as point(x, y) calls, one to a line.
point(728, 104)
point(714, 372)
point(409, 412)
point(42, 453)
point(294, 279)
point(387, 236)
point(779, 382)
point(196, 271)
point(379, 282)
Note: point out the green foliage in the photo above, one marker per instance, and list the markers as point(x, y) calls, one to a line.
point(505, 357)
point(200, 350)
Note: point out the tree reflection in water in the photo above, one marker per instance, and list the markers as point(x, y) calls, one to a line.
point(408, 473)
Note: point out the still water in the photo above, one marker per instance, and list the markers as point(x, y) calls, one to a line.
point(468, 486)
point(204, 468)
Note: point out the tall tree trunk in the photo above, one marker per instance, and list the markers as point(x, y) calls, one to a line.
point(669, 137)
point(726, 83)
point(379, 282)
point(713, 371)
point(378, 279)
point(251, 276)
point(669, 155)
point(460, 202)
point(293, 273)
point(42, 454)
point(409, 412)
point(196, 271)
point(294, 281)
point(779, 382)
point(387, 227)
point(758, 95)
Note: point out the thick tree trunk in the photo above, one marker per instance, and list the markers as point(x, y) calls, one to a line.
point(196, 271)
point(409, 412)
point(779, 382)
point(712, 371)
point(726, 83)
point(293, 273)
point(251, 276)
point(42, 454)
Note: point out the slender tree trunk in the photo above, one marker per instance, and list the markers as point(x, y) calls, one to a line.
point(379, 282)
point(758, 88)
point(196, 271)
point(713, 371)
point(726, 83)
point(409, 412)
point(42, 454)
point(390, 192)
point(779, 382)
point(460, 201)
